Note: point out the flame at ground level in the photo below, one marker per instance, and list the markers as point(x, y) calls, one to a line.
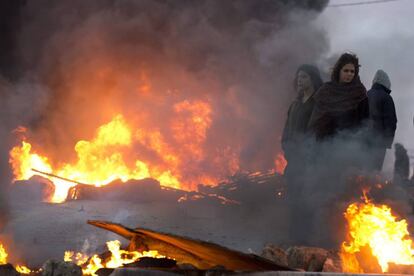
point(3, 260)
point(3, 255)
point(118, 258)
point(23, 269)
point(104, 158)
point(376, 227)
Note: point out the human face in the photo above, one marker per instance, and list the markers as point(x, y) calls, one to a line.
point(303, 81)
point(347, 73)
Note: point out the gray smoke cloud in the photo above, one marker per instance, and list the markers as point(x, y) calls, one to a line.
point(81, 62)
point(238, 56)
point(379, 46)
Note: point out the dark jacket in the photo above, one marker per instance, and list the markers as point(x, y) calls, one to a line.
point(296, 126)
point(383, 119)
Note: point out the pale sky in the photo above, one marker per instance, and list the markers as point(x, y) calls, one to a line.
point(382, 35)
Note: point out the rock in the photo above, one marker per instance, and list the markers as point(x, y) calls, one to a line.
point(36, 189)
point(307, 258)
point(104, 271)
point(8, 270)
point(400, 269)
point(333, 262)
point(139, 271)
point(275, 254)
point(331, 266)
point(60, 268)
point(186, 266)
point(216, 271)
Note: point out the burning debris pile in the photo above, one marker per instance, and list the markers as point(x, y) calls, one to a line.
point(153, 250)
point(247, 188)
point(8, 269)
point(380, 237)
point(101, 162)
point(377, 242)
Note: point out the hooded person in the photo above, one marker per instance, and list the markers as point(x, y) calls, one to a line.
point(294, 144)
point(383, 119)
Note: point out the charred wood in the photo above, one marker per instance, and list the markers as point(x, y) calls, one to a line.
point(8, 270)
point(201, 254)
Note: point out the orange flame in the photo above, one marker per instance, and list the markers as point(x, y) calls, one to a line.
point(100, 161)
point(280, 163)
point(3, 255)
point(3, 260)
point(118, 258)
point(110, 154)
point(23, 269)
point(375, 226)
point(78, 258)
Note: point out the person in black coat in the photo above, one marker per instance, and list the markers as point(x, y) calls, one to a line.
point(401, 165)
point(307, 82)
point(294, 144)
point(383, 119)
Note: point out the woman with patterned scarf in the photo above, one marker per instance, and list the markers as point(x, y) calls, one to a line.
point(339, 123)
point(341, 104)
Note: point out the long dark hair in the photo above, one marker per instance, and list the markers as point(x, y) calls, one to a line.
point(314, 74)
point(346, 58)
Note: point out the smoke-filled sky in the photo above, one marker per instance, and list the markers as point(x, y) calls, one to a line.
point(383, 37)
point(213, 79)
point(209, 80)
point(70, 66)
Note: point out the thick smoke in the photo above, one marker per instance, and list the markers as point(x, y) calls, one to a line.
point(78, 63)
point(238, 56)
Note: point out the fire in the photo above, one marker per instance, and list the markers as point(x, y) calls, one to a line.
point(23, 269)
point(127, 150)
point(3, 260)
point(77, 258)
point(3, 255)
point(99, 161)
point(280, 163)
point(118, 258)
point(22, 161)
point(375, 226)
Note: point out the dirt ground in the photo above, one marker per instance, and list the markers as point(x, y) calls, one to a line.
point(40, 231)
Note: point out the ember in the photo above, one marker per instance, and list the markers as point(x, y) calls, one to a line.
point(376, 227)
point(280, 163)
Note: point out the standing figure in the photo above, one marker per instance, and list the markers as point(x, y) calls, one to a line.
point(295, 135)
point(342, 104)
point(307, 82)
point(383, 120)
point(401, 165)
point(338, 123)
